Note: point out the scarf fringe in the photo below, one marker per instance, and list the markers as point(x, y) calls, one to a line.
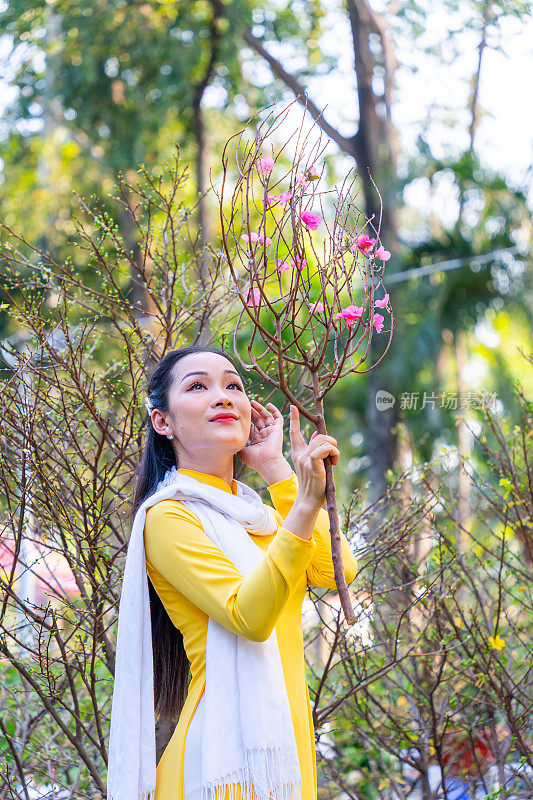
point(263, 778)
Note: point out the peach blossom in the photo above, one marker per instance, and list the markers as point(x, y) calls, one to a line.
point(265, 164)
point(363, 243)
point(383, 302)
point(382, 254)
point(284, 197)
point(256, 237)
point(311, 219)
point(351, 314)
point(256, 297)
point(378, 320)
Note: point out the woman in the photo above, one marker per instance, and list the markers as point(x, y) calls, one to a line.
point(201, 419)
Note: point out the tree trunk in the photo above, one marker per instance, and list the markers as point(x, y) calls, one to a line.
point(203, 334)
point(374, 154)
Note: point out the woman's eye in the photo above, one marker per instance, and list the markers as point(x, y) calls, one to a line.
point(198, 383)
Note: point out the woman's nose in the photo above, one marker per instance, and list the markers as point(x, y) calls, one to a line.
point(223, 398)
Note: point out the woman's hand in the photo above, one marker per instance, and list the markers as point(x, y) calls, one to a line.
point(308, 460)
point(264, 453)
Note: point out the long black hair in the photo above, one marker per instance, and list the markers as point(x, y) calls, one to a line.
point(171, 665)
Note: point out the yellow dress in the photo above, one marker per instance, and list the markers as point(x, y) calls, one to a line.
point(195, 580)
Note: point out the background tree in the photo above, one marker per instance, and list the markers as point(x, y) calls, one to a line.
point(115, 99)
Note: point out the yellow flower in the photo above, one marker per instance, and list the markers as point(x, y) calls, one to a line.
point(496, 642)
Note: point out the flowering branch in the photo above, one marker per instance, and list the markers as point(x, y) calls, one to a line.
point(307, 271)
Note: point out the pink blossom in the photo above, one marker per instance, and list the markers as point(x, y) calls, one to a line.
point(351, 314)
point(378, 320)
point(312, 173)
point(265, 164)
point(383, 302)
point(256, 237)
point(283, 264)
point(311, 219)
point(256, 297)
point(301, 180)
point(318, 306)
point(271, 198)
point(285, 197)
point(382, 254)
point(363, 243)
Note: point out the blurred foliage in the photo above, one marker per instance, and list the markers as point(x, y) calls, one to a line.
point(104, 87)
point(425, 668)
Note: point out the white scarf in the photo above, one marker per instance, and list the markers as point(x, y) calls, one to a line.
point(248, 735)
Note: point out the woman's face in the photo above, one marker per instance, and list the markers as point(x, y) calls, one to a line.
point(206, 385)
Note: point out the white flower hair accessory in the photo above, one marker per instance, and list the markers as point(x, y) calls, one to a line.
point(148, 404)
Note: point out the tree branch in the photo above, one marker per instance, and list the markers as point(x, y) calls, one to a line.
point(344, 143)
point(474, 101)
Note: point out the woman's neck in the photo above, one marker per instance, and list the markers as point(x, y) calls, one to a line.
point(210, 466)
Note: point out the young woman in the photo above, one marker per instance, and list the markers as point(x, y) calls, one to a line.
point(201, 421)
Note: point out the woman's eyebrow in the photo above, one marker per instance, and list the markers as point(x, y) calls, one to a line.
point(201, 372)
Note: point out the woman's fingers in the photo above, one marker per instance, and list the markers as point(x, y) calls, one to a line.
point(260, 418)
point(326, 450)
point(320, 444)
point(257, 408)
point(254, 431)
point(274, 410)
point(297, 440)
point(324, 437)
point(322, 440)
point(267, 415)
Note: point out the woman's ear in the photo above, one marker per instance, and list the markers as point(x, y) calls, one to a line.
point(159, 423)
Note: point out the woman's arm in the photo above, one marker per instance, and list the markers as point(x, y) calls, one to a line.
point(179, 549)
point(320, 571)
